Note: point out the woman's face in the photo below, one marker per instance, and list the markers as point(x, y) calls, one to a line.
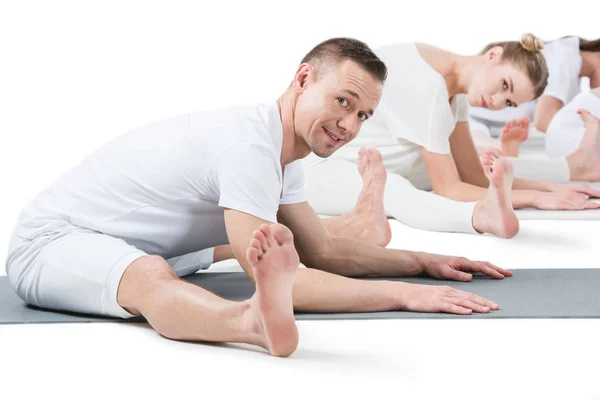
point(497, 84)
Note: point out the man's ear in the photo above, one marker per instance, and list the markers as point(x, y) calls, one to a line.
point(304, 75)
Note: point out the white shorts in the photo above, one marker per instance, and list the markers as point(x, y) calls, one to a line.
point(79, 270)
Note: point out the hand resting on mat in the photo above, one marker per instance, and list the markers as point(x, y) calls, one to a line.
point(445, 299)
point(565, 200)
point(448, 267)
point(574, 188)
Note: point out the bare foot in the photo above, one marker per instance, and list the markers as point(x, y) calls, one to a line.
point(367, 221)
point(274, 262)
point(495, 213)
point(584, 163)
point(514, 133)
point(370, 201)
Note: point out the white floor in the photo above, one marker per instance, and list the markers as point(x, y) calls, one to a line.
point(476, 359)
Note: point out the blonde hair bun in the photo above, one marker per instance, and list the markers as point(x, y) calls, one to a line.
point(531, 43)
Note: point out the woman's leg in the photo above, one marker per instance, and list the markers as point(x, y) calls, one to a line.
point(334, 187)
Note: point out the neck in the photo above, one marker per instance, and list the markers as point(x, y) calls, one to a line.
point(459, 73)
point(590, 67)
point(293, 146)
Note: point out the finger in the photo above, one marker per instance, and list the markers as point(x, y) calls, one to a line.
point(473, 298)
point(480, 267)
point(466, 303)
point(447, 307)
point(459, 275)
point(590, 205)
point(488, 270)
point(503, 271)
point(591, 192)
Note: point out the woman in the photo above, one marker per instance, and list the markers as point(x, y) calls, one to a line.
point(566, 130)
point(570, 59)
point(421, 130)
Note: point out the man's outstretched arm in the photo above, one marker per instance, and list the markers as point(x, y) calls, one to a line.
point(350, 257)
point(320, 291)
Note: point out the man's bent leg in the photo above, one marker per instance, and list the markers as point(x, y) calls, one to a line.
point(180, 310)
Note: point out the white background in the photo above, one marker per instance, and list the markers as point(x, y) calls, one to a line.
point(74, 75)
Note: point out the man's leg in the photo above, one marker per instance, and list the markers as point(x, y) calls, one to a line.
point(88, 272)
point(353, 195)
point(180, 310)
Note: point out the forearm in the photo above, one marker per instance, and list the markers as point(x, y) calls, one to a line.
point(527, 184)
point(350, 257)
point(462, 191)
point(319, 291)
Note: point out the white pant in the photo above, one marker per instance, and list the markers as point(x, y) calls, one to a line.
point(79, 270)
point(333, 187)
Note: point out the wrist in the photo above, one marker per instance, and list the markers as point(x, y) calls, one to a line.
point(396, 293)
point(526, 198)
point(421, 260)
point(550, 186)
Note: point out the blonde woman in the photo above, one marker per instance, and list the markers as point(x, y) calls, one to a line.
point(569, 59)
point(420, 141)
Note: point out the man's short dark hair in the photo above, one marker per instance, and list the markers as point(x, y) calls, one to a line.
point(336, 50)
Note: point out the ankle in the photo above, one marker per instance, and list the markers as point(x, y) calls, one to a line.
point(576, 166)
point(478, 217)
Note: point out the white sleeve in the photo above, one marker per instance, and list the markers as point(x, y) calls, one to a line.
point(440, 125)
point(248, 180)
point(462, 107)
point(293, 184)
point(563, 78)
point(564, 133)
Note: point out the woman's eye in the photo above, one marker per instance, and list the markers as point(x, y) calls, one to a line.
point(504, 85)
point(509, 103)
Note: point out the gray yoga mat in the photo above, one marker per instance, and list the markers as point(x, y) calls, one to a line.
point(529, 293)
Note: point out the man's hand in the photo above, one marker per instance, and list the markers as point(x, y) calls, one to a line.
point(453, 268)
point(426, 298)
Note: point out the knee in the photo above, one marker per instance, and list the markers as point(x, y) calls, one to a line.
point(140, 279)
point(150, 269)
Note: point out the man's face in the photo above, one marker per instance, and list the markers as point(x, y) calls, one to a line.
point(331, 108)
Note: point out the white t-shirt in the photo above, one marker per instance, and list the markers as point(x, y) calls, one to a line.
point(414, 112)
point(163, 187)
point(566, 129)
point(564, 66)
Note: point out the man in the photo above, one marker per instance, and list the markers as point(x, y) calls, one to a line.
point(113, 235)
